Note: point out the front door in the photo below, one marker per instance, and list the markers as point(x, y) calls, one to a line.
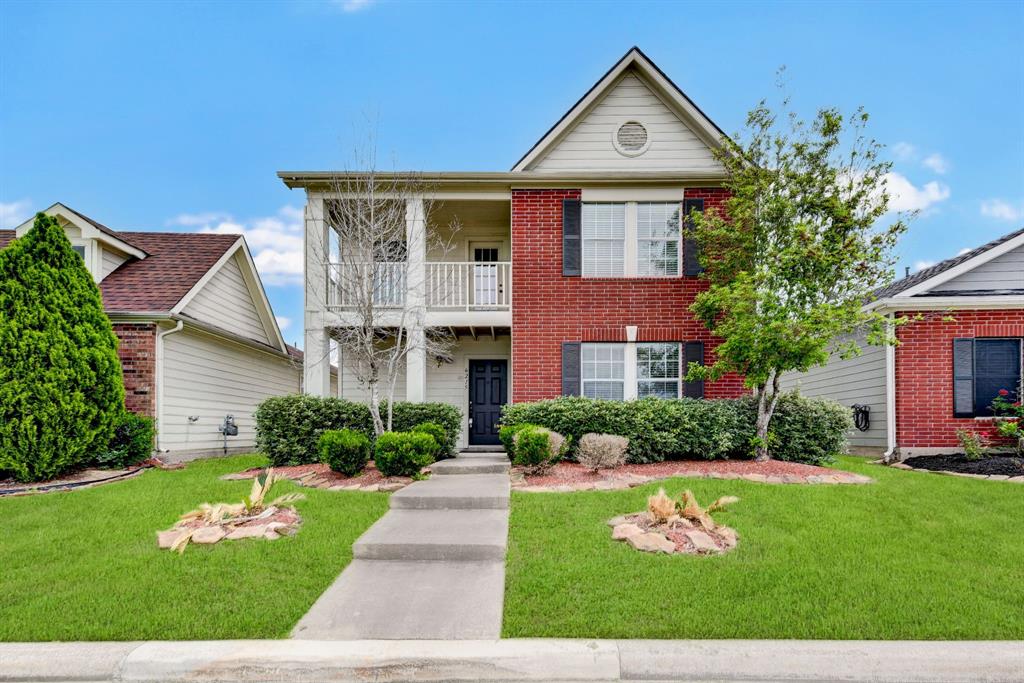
point(488, 392)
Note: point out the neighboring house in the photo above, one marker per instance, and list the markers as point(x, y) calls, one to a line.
point(962, 345)
point(198, 339)
point(572, 271)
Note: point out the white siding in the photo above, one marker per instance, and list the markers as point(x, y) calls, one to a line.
point(588, 145)
point(1002, 272)
point(352, 390)
point(448, 383)
point(111, 261)
point(855, 380)
point(225, 301)
point(208, 377)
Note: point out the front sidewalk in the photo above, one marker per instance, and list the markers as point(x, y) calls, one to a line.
point(515, 660)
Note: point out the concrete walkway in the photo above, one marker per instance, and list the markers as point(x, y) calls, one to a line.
point(310, 661)
point(433, 568)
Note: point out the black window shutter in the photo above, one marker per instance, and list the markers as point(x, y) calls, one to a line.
point(693, 352)
point(963, 378)
point(570, 368)
point(691, 259)
point(572, 243)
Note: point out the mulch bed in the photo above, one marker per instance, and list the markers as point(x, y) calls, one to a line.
point(320, 476)
point(577, 477)
point(1007, 465)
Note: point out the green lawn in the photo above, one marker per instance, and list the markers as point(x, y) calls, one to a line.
point(913, 556)
point(84, 565)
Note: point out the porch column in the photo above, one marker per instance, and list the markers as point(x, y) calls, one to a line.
point(629, 392)
point(316, 374)
point(416, 300)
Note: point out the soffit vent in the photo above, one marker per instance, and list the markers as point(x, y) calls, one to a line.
point(631, 138)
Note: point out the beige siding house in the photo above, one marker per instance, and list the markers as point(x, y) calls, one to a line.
point(198, 339)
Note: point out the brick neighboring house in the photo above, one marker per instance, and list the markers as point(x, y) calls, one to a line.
point(198, 340)
point(963, 344)
point(571, 274)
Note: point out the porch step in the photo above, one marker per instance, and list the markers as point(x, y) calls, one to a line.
point(448, 492)
point(480, 463)
point(435, 535)
point(488, 449)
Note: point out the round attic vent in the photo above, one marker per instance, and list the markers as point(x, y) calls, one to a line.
point(631, 138)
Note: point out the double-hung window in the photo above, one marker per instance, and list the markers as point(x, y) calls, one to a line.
point(631, 239)
point(604, 240)
point(658, 236)
point(657, 370)
point(982, 368)
point(603, 370)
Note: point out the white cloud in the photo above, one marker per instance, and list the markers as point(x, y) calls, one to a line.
point(904, 151)
point(353, 5)
point(13, 214)
point(1002, 210)
point(921, 265)
point(905, 196)
point(283, 322)
point(275, 241)
point(936, 162)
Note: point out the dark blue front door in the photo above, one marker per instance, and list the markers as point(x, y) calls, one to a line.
point(488, 392)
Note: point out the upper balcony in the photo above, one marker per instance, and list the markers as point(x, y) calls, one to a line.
point(458, 273)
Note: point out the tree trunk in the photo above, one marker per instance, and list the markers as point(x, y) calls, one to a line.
point(765, 409)
point(378, 424)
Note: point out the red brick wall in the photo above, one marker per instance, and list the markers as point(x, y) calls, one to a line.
point(550, 309)
point(924, 373)
point(137, 351)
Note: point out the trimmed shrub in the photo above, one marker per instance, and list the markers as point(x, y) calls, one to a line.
point(61, 392)
point(345, 451)
point(803, 429)
point(407, 415)
point(537, 448)
point(439, 433)
point(507, 436)
point(404, 454)
point(288, 428)
point(601, 451)
point(132, 442)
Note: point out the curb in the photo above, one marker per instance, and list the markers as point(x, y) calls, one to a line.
point(515, 660)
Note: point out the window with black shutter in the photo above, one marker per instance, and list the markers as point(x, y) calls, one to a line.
point(982, 369)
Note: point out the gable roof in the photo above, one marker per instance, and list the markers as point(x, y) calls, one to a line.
point(89, 228)
point(943, 271)
point(681, 104)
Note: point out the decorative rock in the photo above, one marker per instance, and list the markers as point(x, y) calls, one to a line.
point(651, 542)
point(254, 531)
point(792, 479)
point(756, 477)
point(616, 521)
point(999, 477)
point(693, 474)
point(623, 531)
point(271, 535)
point(165, 539)
point(728, 536)
point(901, 466)
point(208, 535)
point(391, 486)
point(1017, 480)
point(370, 487)
point(701, 541)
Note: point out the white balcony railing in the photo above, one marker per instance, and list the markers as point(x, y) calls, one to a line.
point(448, 286)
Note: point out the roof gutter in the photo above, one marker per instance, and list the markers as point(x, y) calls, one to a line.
point(502, 179)
point(160, 382)
point(942, 303)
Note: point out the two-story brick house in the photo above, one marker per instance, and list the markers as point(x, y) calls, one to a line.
point(574, 272)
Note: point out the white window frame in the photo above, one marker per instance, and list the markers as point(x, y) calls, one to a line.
point(630, 368)
point(603, 345)
point(92, 257)
point(585, 263)
point(631, 241)
point(678, 239)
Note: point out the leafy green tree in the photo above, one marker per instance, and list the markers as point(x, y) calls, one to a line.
point(61, 390)
point(798, 249)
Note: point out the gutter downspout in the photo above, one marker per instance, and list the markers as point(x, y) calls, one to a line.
point(160, 383)
point(890, 395)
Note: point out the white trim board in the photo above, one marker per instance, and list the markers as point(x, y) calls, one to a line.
point(961, 268)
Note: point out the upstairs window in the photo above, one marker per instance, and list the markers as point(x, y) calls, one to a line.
point(604, 240)
point(658, 235)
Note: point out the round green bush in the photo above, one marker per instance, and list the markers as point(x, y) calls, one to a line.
point(132, 442)
point(404, 454)
point(435, 430)
point(537, 448)
point(507, 436)
point(345, 451)
point(61, 391)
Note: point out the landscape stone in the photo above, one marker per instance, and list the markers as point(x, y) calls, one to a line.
point(165, 539)
point(617, 520)
point(391, 486)
point(701, 541)
point(792, 479)
point(271, 535)
point(651, 542)
point(254, 531)
point(208, 535)
point(756, 477)
point(624, 531)
point(728, 535)
point(999, 477)
point(1017, 480)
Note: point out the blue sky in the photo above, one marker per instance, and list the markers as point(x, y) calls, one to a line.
point(176, 116)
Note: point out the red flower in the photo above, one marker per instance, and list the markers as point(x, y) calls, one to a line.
point(1004, 392)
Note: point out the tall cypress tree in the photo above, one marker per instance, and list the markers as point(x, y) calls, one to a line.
point(60, 378)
